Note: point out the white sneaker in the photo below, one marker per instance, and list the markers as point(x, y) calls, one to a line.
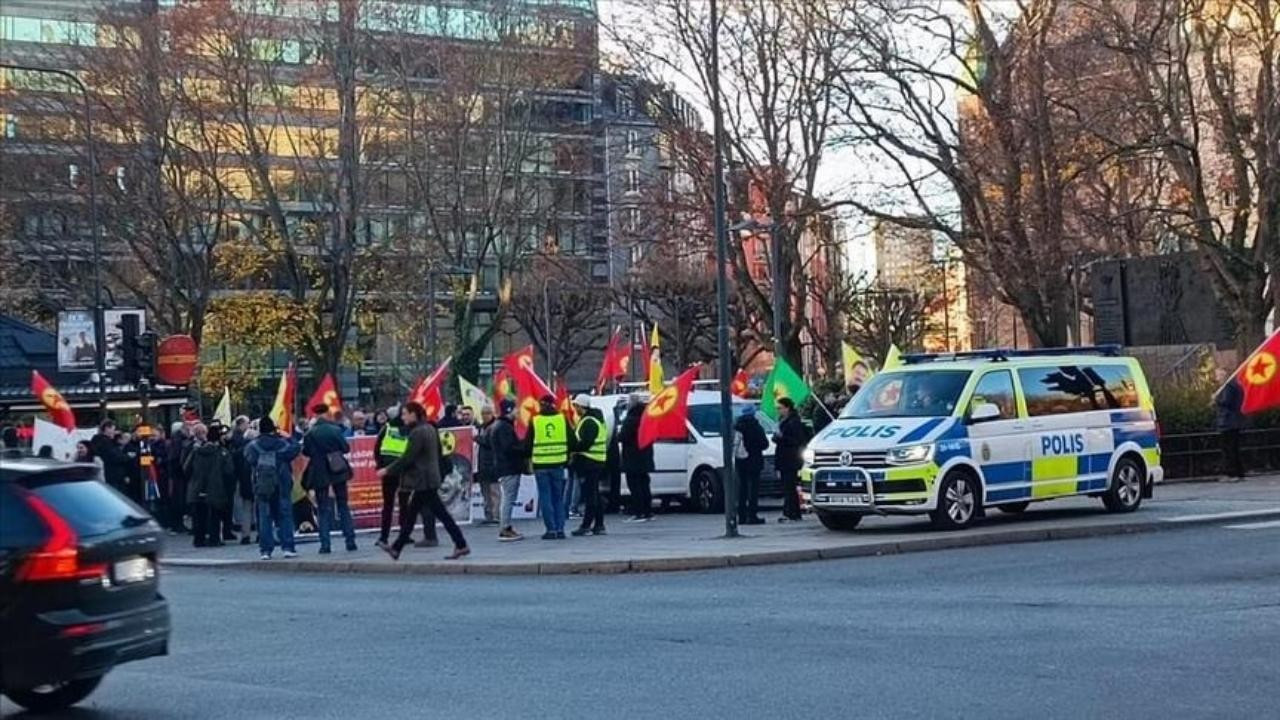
point(265, 556)
point(289, 554)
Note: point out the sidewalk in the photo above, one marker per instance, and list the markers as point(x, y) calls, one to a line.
point(682, 541)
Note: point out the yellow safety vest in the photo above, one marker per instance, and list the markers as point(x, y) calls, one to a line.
point(599, 450)
point(393, 443)
point(550, 440)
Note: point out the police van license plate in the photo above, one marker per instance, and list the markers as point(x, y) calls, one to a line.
point(133, 570)
point(855, 499)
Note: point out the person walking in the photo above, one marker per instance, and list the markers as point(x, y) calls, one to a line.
point(789, 442)
point(750, 442)
point(487, 467)
point(393, 440)
point(418, 472)
point(270, 460)
point(509, 465)
point(328, 471)
point(637, 462)
point(1230, 422)
point(590, 458)
point(210, 470)
point(549, 452)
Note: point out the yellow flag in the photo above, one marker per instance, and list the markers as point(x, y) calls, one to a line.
point(655, 363)
point(856, 370)
point(893, 359)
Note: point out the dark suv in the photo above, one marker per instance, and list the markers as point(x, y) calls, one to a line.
point(79, 583)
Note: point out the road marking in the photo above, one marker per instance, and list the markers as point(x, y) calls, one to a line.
point(1237, 515)
point(1255, 526)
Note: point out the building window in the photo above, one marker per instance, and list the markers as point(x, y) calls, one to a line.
point(625, 104)
point(10, 126)
point(633, 143)
point(631, 219)
point(633, 181)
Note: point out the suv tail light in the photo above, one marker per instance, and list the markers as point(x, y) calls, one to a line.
point(59, 557)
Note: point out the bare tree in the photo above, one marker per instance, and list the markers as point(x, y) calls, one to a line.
point(779, 66)
point(578, 311)
point(878, 319)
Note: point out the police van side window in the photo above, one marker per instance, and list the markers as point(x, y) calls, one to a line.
point(1072, 389)
point(996, 388)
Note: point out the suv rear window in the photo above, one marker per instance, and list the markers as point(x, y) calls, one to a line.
point(91, 507)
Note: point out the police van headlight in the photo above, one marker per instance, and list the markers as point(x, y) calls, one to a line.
point(910, 455)
point(808, 456)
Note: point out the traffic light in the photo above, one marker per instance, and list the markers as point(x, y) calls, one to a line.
point(137, 349)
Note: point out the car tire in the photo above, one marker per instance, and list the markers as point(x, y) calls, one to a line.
point(959, 501)
point(1125, 492)
point(54, 698)
point(1015, 508)
point(706, 491)
point(840, 522)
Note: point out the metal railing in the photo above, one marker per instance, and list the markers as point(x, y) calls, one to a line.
point(1193, 455)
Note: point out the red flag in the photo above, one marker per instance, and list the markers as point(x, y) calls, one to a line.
point(529, 387)
point(564, 403)
point(617, 360)
point(739, 385)
point(1257, 377)
point(428, 392)
point(667, 413)
point(54, 404)
point(501, 387)
point(326, 394)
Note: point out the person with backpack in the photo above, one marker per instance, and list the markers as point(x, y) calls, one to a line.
point(790, 439)
point(750, 442)
point(328, 471)
point(269, 458)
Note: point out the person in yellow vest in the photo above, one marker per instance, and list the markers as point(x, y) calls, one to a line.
point(549, 453)
point(590, 455)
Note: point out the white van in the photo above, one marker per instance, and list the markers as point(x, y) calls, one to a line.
point(689, 470)
point(951, 435)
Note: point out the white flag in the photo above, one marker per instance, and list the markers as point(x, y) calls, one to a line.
point(223, 413)
point(473, 396)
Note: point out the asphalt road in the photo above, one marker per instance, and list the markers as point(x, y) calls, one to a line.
point(1180, 624)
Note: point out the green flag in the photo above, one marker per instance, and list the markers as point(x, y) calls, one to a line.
point(783, 382)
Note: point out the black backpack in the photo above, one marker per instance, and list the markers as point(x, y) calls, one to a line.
point(266, 474)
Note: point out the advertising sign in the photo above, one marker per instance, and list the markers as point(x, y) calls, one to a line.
point(76, 338)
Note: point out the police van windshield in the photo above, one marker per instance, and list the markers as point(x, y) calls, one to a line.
point(929, 393)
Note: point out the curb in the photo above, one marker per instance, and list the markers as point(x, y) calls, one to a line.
point(955, 541)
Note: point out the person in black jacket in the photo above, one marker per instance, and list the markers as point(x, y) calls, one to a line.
point(637, 462)
point(789, 442)
point(487, 466)
point(107, 449)
point(324, 440)
point(1230, 421)
point(509, 465)
point(750, 444)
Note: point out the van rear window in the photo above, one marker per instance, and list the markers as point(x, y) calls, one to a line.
point(1078, 388)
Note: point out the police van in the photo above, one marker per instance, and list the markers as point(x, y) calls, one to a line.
point(951, 435)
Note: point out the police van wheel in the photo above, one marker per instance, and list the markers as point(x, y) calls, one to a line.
point(840, 522)
point(958, 501)
point(1014, 508)
point(1125, 493)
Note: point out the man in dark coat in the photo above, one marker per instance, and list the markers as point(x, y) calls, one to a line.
point(509, 465)
point(487, 466)
point(209, 468)
point(750, 444)
point(788, 457)
point(323, 443)
point(637, 462)
point(1229, 421)
point(114, 462)
point(418, 472)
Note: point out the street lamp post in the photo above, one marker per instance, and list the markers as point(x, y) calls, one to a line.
point(99, 331)
point(722, 286)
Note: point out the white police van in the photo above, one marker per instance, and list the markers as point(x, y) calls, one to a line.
point(689, 470)
point(950, 435)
